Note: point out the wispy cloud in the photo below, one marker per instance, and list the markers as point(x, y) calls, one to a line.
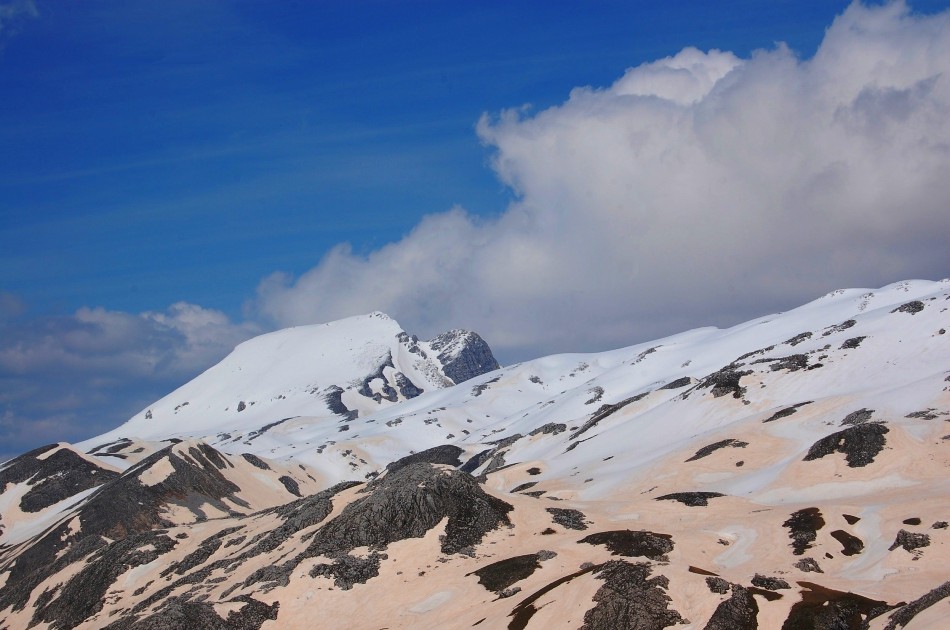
point(13, 15)
point(66, 378)
point(697, 189)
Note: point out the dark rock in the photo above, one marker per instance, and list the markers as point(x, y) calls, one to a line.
point(851, 545)
point(857, 417)
point(808, 565)
point(81, 596)
point(851, 519)
point(498, 576)
point(406, 504)
point(256, 461)
point(524, 486)
point(178, 612)
point(910, 541)
point(711, 448)
point(859, 444)
point(445, 454)
point(349, 570)
point(333, 397)
point(852, 343)
point(241, 406)
point(725, 381)
point(475, 462)
point(838, 327)
point(291, 484)
point(826, 609)
point(631, 544)
point(551, 428)
point(53, 479)
point(479, 389)
point(803, 527)
point(910, 307)
point(406, 387)
point(787, 411)
point(678, 383)
point(692, 499)
point(906, 614)
point(253, 435)
point(791, 363)
point(629, 598)
point(717, 585)
point(522, 613)
point(739, 612)
point(567, 518)
point(597, 394)
point(925, 414)
point(797, 339)
point(940, 525)
point(464, 355)
point(769, 583)
point(604, 411)
point(912, 521)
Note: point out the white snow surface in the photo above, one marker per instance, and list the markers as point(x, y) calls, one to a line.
point(282, 376)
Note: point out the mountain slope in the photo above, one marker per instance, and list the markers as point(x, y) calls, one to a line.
point(786, 472)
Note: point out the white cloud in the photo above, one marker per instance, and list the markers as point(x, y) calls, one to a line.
point(697, 189)
point(67, 378)
point(13, 13)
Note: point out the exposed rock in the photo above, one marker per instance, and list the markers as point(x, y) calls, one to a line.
point(464, 355)
point(498, 576)
point(54, 478)
point(717, 585)
point(783, 413)
point(179, 612)
point(851, 545)
point(551, 428)
point(692, 499)
point(852, 343)
point(678, 383)
point(406, 387)
point(769, 583)
point(630, 598)
point(604, 411)
point(859, 443)
point(715, 446)
point(725, 381)
point(291, 484)
point(909, 541)
point(406, 504)
point(824, 608)
point(791, 363)
point(445, 454)
point(739, 612)
point(333, 397)
point(567, 518)
point(348, 570)
point(913, 307)
point(631, 544)
point(808, 565)
point(803, 527)
point(797, 339)
point(255, 461)
point(480, 389)
point(906, 613)
point(857, 417)
point(838, 327)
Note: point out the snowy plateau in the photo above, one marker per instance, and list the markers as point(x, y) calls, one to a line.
point(788, 472)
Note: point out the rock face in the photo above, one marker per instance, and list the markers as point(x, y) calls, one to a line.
point(464, 355)
point(716, 479)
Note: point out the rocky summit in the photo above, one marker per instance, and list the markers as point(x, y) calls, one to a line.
point(789, 472)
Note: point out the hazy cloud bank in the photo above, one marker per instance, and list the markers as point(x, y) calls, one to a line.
point(65, 378)
point(697, 189)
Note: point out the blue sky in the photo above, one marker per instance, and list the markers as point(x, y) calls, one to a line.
point(160, 153)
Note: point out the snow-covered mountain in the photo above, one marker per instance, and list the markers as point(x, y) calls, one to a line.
point(786, 472)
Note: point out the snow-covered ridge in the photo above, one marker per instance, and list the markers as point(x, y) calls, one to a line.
point(347, 368)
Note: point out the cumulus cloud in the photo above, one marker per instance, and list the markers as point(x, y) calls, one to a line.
point(66, 378)
point(697, 189)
